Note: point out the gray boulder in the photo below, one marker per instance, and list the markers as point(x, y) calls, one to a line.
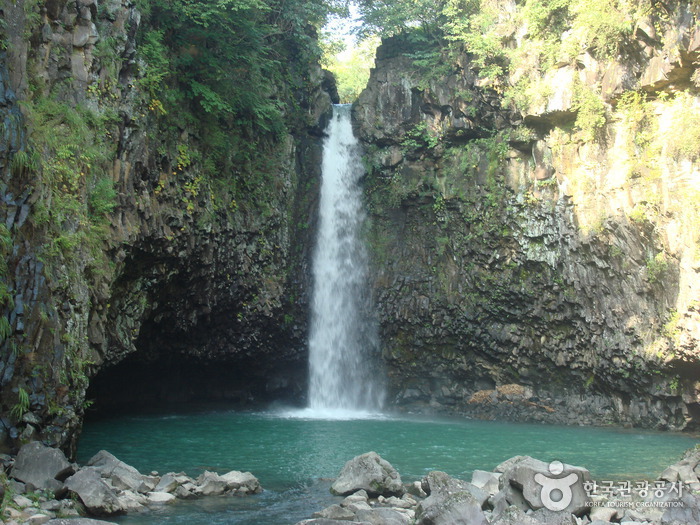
point(335, 512)
point(42, 466)
point(98, 497)
point(555, 486)
point(168, 483)
point(383, 517)
point(682, 515)
point(487, 481)
point(242, 482)
point(460, 508)
point(120, 475)
point(159, 498)
point(371, 473)
point(437, 482)
point(210, 484)
point(513, 516)
point(548, 517)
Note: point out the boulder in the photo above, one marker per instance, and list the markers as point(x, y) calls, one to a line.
point(131, 501)
point(437, 482)
point(168, 483)
point(368, 472)
point(603, 513)
point(356, 506)
point(360, 496)
point(38, 519)
point(185, 492)
point(21, 501)
point(513, 516)
point(242, 482)
point(383, 517)
point(460, 508)
point(689, 512)
point(121, 475)
point(42, 466)
point(210, 484)
point(548, 517)
point(98, 497)
point(159, 498)
point(399, 503)
point(487, 481)
point(335, 512)
point(554, 486)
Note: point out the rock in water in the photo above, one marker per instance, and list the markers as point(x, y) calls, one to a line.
point(42, 466)
point(242, 482)
point(98, 497)
point(371, 473)
point(121, 475)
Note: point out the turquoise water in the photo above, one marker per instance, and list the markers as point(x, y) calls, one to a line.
point(293, 457)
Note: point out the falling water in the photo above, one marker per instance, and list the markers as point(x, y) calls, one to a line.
point(343, 335)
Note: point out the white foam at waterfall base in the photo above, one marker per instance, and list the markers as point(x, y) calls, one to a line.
point(343, 332)
point(328, 414)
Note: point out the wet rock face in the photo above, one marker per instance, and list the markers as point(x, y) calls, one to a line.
point(512, 278)
point(189, 277)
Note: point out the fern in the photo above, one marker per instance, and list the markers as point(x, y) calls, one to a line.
point(22, 405)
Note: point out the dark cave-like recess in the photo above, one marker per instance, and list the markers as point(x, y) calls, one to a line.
point(137, 385)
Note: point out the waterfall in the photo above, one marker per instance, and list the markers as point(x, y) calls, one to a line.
point(343, 333)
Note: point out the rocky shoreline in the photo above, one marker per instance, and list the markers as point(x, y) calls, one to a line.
point(520, 491)
point(42, 486)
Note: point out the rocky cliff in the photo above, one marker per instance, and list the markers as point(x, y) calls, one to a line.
point(537, 258)
point(133, 262)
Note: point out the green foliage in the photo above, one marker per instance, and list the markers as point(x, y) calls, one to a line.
point(157, 62)
point(470, 24)
point(5, 292)
point(350, 66)
point(225, 58)
point(419, 137)
point(638, 114)
point(656, 267)
point(390, 18)
point(590, 111)
point(101, 199)
point(5, 329)
point(603, 25)
point(22, 406)
point(24, 163)
point(682, 139)
point(671, 327)
point(78, 149)
point(546, 18)
point(674, 384)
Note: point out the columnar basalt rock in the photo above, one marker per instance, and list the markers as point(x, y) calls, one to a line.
point(520, 271)
point(171, 276)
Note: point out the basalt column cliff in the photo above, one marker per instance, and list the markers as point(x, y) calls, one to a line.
point(159, 181)
point(535, 231)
